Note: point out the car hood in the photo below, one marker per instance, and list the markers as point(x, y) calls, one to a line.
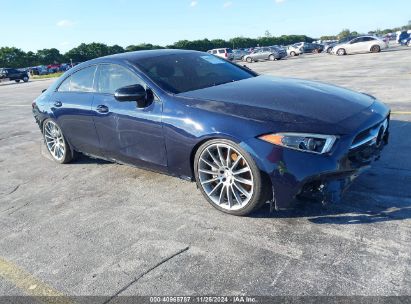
point(283, 99)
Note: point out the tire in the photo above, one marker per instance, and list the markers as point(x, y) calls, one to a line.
point(249, 59)
point(271, 57)
point(54, 139)
point(375, 49)
point(17, 80)
point(341, 52)
point(25, 79)
point(229, 178)
point(292, 53)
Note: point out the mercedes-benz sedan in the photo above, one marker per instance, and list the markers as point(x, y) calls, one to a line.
point(245, 139)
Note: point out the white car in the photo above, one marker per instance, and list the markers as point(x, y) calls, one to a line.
point(362, 44)
point(295, 49)
point(225, 53)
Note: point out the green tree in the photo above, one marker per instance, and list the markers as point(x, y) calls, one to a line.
point(49, 56)
point(345, 33)
point(11, 57)
point(115, 49)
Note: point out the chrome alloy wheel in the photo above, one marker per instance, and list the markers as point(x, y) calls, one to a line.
point(54, 140)
point(225, 176)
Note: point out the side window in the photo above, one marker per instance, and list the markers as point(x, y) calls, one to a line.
point(81, 81)
point(221, 51)
point(65, 85)
point(214, 52)
point(112, 77)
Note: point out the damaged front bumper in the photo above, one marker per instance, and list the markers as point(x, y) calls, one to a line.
point(297, 175)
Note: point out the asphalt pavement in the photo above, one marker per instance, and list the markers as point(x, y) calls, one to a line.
point(97, 228)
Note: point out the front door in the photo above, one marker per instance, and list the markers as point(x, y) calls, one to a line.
point(127, 133)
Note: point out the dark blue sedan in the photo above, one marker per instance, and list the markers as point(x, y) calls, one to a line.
point(245, 139)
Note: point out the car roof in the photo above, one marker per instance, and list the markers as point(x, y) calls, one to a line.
point(131, 57)
point(140, 55)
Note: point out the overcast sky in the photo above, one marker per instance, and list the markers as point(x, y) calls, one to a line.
point(63, 24)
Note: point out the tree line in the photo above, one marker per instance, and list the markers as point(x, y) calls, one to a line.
point(15, 57)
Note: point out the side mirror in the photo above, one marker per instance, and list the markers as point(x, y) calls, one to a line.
point(134, 92)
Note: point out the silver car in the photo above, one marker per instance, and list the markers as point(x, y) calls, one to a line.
point(264, 53)
point(362, 44)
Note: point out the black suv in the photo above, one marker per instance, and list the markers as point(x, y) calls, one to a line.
point(14, 74)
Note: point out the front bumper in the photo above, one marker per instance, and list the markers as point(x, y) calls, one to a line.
point(299, 175)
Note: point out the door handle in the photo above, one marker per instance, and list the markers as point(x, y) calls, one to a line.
point(58, 104)
point(102, 109)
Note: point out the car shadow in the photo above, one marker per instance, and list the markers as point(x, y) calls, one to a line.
point(379, 195)
point(86, 160)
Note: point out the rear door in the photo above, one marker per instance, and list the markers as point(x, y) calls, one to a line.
point(71, 106)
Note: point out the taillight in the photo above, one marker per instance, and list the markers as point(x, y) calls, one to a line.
point(226, 54)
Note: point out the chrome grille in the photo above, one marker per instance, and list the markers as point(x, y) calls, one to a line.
point(371, 135)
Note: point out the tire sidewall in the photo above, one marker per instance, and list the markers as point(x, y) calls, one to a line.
point(257, 198)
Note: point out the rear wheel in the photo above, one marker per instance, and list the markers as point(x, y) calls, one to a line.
point(341, 52)
point(375, 49)
point(271, 57)
point(292, 53)
point(56, 143)
point(25, 79)
point(17, 80)
point(229, 178)
point(249, 59)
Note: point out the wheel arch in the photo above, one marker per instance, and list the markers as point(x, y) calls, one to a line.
point(242, 144)
point(204, 140)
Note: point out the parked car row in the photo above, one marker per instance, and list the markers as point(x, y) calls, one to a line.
point(251, 54)
point(349, 45)
point(304, 47)
point(50, 69)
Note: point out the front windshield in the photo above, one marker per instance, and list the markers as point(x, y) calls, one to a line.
point(185, 72)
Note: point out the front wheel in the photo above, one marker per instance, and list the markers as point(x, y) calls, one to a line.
point(340, 52)
point(293, 53)
point(56, 143)
point(249, 59)
point(25, 79)
point(17, 80)
point(229, 178)
point(271, 58)
point(375, 49)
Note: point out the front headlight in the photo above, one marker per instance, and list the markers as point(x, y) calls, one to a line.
point(314, 143)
